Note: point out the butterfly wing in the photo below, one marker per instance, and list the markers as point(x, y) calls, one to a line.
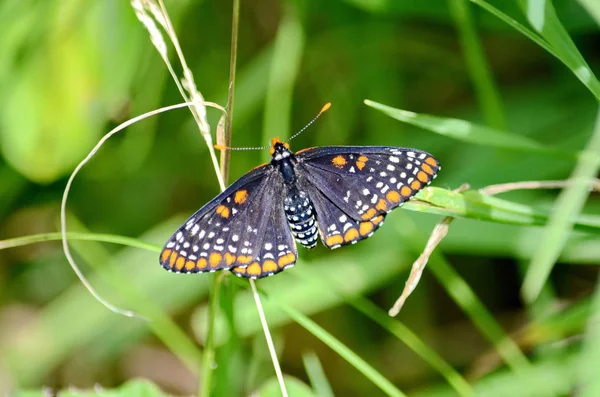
point(226, 232)
point(363, 183)
point(277, 249)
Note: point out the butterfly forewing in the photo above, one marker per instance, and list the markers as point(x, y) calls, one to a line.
point(360, 185)
point(225, 232)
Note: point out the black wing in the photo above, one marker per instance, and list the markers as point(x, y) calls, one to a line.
point(226, 232)
point(355, 186)
point(277, 249)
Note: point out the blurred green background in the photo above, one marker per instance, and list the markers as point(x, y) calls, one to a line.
point(71, 71)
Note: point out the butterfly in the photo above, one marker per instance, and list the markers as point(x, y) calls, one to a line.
point(338, 193)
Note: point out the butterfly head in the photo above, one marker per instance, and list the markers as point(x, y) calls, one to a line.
point(279, 150)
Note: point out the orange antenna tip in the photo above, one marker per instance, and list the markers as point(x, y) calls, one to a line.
point(220, 147)
point(325, 108)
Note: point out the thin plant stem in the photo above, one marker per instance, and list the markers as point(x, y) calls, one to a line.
point(230, 95)
point(224, 138)
point(271, 346)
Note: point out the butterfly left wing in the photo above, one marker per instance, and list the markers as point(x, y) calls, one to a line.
point(226, 232)
point(361, 183)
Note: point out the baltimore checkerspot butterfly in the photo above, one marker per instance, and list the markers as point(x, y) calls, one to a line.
point(340, 193)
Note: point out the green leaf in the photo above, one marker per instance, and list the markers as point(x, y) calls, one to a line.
point(564, 216)
point(466, 131)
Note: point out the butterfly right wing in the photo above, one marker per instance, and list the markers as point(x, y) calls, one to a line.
point(227, 231)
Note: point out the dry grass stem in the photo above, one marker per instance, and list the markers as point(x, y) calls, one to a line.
point(507, 187)
point(437, 235)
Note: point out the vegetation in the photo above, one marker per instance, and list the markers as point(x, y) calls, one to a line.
point(503, 93)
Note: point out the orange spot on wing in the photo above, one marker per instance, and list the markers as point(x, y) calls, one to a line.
point(393, 196)
point(201, 263)
point(190, 265)
point(172, 258)
point(366, 228)
point(223, 211)
point(351, 234)
point(415, 185)
point(286, 259)
point(427, 169)
point(381, 205)
point(165, 255)
point(371, 212)
point(378, 220)
point(405, 191)
point(422, 176)
point(254, 269)
point(362, 160)
point(244, 259)
point(269, 266)
point(179, 263)
point(339, 161)
point(241, 270)
point(214, 259)
point(334, 240)
point(431, 161)
point(229, 259)
point(240, 196)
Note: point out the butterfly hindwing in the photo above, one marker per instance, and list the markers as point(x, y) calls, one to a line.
point(277, 249)
point(365, 182)
point(226, 232)
point(335, 226)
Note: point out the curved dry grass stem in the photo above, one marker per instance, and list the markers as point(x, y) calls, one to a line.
point(439, 232)
point(63, 204)
point(271, 346)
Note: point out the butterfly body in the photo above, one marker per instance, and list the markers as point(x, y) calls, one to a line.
point(340, 193)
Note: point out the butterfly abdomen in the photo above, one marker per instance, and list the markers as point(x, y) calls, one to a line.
point(300, 214)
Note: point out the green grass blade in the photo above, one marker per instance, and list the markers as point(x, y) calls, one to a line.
point(74, 318)
point(98, 237)
point(465, 131)
point(316, 374)
point(568, 205)
point(543, 18)
point(593, 8)
point(287, 54)
point(479, 70)
point(589, 361)
point(352, 358)
point(396, 328)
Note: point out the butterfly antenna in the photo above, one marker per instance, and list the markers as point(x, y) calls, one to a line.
point(323, 110)
point(223, 147)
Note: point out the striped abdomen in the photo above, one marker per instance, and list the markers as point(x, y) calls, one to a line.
point(300, 214)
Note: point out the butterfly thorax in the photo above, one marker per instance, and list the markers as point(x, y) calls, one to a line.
point(298, 208)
